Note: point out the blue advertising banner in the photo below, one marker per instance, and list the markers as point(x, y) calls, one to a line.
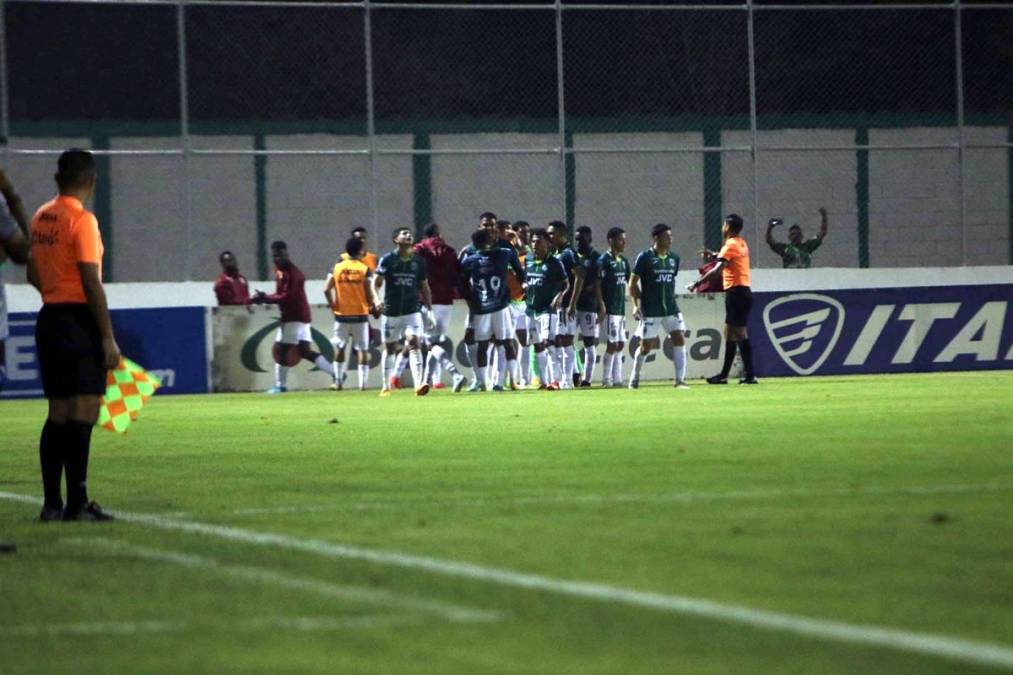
point(887, 330)
point(169, 342)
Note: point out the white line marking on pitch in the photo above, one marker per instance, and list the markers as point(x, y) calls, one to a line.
point(295, 623)
point(312, 586)
point(624, 498)
point(837, 631)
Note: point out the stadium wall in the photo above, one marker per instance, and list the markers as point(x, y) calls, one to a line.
point(891, 207)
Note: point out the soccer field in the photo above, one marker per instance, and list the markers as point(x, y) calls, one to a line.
point(833, 525)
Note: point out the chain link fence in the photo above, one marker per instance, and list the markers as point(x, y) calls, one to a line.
point(229, 124)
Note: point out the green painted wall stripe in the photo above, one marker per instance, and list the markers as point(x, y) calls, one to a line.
point(712, 190)
point(862, 195)
point(260, 180)
point(570, 179)
point(102, 203)
point(422, 182)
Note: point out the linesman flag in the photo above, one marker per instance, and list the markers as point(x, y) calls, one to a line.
point(128, 388)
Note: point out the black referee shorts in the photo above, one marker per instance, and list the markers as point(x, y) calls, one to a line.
point(738, 302)
point(69, 347)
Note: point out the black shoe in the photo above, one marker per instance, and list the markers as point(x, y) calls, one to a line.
point(585, 384)
point(49, 515)
point(576, 380)
point(90, 512)
point(717, 379)
point(749, 380)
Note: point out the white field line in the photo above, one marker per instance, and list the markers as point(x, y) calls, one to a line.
point(835, 631)
point(311, 586)
point(294, 623)
point(670, 497)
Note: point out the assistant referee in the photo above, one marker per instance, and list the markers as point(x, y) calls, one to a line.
point(73, 334)
point(733, 265)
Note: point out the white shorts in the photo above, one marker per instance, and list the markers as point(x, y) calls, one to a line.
point(616, 327)
point(544, 326)
point(660, 326)
point(293, 332)
point(359, 332)
point(498, 325)
point(441, 317)
point(588, 324)
point(394, 327)
point(520, 315)
point(566, 325)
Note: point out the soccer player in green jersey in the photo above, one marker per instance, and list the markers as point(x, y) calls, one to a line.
point(566, 325)
point(584, 303)
point(652, 289)
point(546, 282)
point(404, 272)
point(613, 276)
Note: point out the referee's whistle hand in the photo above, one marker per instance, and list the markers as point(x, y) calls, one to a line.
point(111, 352)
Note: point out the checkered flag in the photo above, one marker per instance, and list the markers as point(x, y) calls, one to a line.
point(128, 388)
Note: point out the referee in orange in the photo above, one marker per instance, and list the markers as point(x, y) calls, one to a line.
point(73, 334)
point(733, 265)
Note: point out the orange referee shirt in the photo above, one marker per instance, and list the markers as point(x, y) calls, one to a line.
point(736, 272)
point(64, 233)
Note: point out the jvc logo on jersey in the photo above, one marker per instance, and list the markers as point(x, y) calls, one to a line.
point(804, 329)
point(888, 330)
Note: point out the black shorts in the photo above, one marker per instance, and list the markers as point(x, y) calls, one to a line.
point(738, 302)
point(69, 348)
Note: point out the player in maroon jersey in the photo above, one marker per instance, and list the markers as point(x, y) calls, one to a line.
point(294, 339)
point(231, 287)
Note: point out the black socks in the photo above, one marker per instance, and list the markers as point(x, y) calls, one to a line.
point(747, 358)
point(77, 450)
point(51, 451)
point(729, 357)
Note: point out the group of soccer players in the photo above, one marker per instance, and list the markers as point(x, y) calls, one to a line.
point(526, 288)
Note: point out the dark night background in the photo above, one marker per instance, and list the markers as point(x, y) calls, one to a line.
point(84, 62)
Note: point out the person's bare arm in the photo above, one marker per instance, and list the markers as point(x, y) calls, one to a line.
point(578, 287)
point(14, 204)
point(427, 296)
point(96, 296)
point(770, 238)
point(377, 285)
point(329, 291)
point(33, 275)
point(824, 223)
point(711, 272)
point(601, 301)
point(17, 248)
point(634, 288)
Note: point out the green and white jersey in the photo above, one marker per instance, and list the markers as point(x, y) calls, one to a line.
point(613, 275)
point(544, 279)
point(797, 257)
point(402, 283)
point(657, 283)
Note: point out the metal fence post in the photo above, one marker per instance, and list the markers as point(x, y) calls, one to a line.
point(752, 122)
point(561, 103)
point(367, 27)
point(5, 106)
point(184, 124)
point(958, 41)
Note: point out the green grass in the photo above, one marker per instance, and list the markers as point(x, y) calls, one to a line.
point(868, 500)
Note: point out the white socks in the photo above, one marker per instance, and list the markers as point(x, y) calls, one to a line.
point(590, 356)
point(473, 357)
point(363, 376)
point(638, 365)
point(606, 370)
point(323, 364)
point(339, 371)
point(680, 364)
point(415, 357)
point(617, 366)
point(525, 359)
point(280, 375)
point(388, 368)
point(543, 366)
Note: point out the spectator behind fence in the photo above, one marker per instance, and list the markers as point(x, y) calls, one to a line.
point(231, 287)
point(14, 244)
point(797, 253)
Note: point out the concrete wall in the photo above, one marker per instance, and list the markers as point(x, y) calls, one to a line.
point(313, 201)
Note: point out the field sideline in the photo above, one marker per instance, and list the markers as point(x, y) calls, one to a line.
point(831, 525)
